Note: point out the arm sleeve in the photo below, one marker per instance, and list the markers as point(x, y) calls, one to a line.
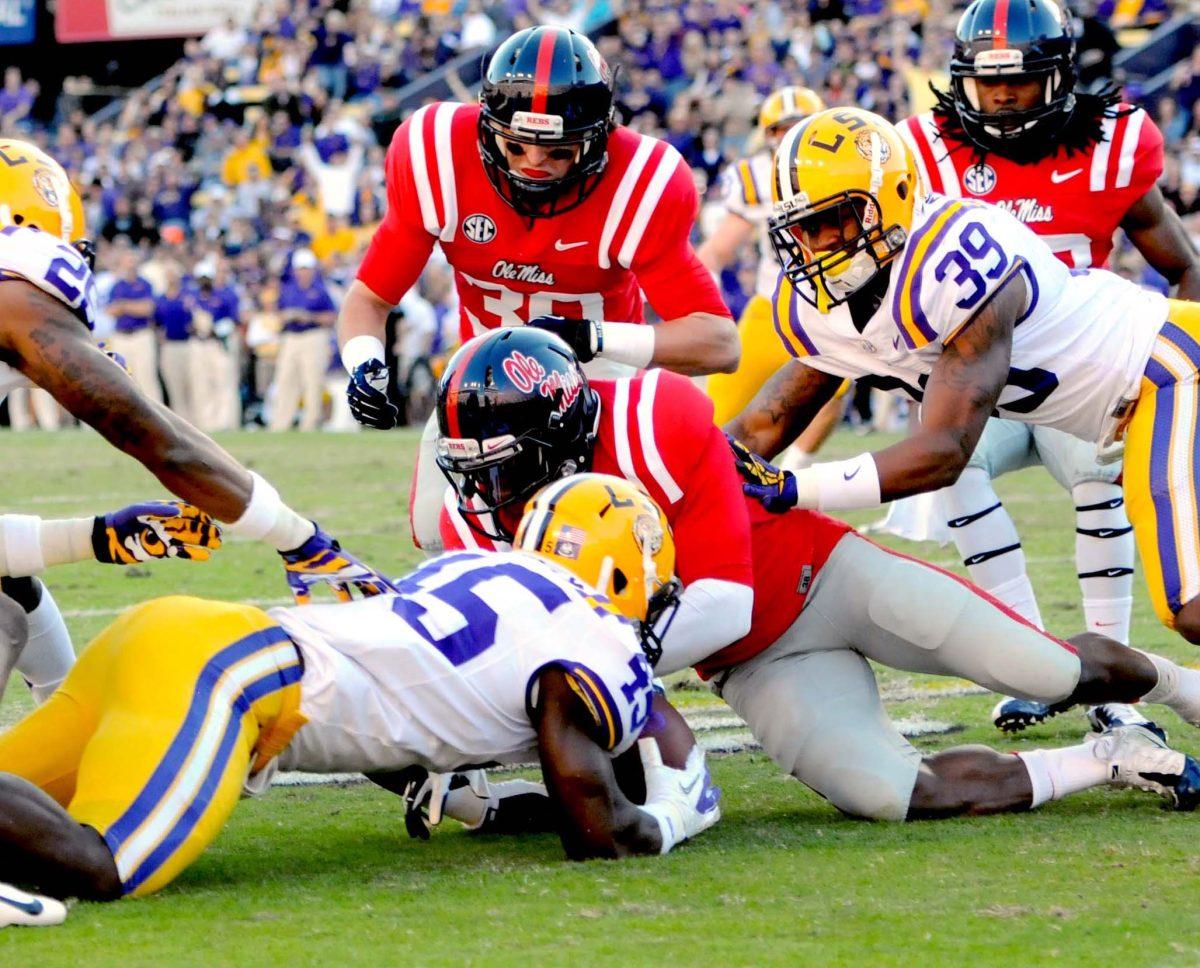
point(712, 614)
point(675, 281)
point(401, 246)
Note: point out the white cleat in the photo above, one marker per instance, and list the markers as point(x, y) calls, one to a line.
point(1140, 759)
point(29, 910)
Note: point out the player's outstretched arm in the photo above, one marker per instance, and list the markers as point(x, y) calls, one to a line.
point(1154, 227)
point(597, 820)
point(961, 394)
point(784, 406)
point(51, 347)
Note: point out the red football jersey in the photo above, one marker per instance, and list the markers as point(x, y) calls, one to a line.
point(1075, 202)
point(629, 236)
point(656, 428)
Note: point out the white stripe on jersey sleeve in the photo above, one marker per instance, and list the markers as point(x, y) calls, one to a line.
point(650, 198)
point(420, 170)
point(906, 132)
point(1133, 132)
point(1099, 173)
point(654, 462)
point(620, 200)
point(621, 428)
point(946, 170)
point(445, 160)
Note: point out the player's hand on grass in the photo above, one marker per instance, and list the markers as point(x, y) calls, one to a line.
point(584, 336)
point(367, 394)
point(773, 488)
point(162, 529)
point(321, 561)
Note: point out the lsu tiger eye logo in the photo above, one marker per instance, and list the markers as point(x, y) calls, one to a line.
point(648, 534)
point(43, 184)
point(864, 144)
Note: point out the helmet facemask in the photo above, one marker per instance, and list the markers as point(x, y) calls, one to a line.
point(1002, 130)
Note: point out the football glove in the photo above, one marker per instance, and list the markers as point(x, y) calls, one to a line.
point(686, 800)
point(321, 561)
point(165, 529)
point(584, 336)
point(367, 393)
point(773, 488)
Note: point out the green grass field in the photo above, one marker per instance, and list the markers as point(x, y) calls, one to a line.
point(326, 875)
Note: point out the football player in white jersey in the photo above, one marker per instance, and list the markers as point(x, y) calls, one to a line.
point(479, 657)
point(962, 307)
point(47, 307)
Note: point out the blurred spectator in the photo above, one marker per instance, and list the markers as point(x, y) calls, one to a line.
point(249, 152)
point(16, 100)
point(308, 313)
point(216, 347)
point(131, 304)
point(173, 321)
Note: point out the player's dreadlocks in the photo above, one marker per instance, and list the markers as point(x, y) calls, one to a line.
point(1082, 129)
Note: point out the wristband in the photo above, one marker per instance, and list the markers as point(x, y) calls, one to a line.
point(268, 519)
point(358, 349)
point(666, 827)
point(29, 545)
point(845, 485)
point(628, 343)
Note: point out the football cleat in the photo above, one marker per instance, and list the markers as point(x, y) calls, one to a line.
point(1140, 759)
point(1013, 715)
point(29, 910)
point(1112, 715)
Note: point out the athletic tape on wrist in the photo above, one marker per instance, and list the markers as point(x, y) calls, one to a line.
point(359, 349)
point(21, 545)
point(628, 343)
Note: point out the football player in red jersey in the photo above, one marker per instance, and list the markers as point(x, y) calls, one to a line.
point(551, 214)
point(516, 412)
point(1074, 167)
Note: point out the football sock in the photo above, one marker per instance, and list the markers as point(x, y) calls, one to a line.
point(988, 542)
point(48, 654)
point(1177, 688)
point(1104, 552)
point(1055, 774)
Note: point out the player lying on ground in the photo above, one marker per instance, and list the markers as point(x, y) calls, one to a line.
point(128, 772)
point(798, 673)
point(47, 309)
point(959, 305)
point(551, 214)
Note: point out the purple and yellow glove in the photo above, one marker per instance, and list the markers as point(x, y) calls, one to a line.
point(773, 488)
point(160, 529)
point(321, 561)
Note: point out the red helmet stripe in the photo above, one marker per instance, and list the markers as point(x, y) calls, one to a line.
point(1000, 26)
point(541, 72)
point(453, 429)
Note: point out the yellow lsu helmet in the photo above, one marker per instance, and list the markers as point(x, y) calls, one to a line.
point(608, 532)
point(785, 107)
point(844, 184)
point(35, 191)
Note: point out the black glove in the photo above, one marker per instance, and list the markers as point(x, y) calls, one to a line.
point(584, 336)
point(367, 393)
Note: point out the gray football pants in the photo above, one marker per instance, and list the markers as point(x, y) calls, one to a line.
point(811, 698)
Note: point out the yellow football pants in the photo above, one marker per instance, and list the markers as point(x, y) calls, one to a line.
point(763, 353)
point(1162, 465)
point(152, 734)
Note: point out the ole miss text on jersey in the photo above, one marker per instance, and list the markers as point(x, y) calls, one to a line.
point(1075, 201)
point(630, 236)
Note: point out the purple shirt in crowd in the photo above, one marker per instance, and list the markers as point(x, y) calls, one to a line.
point(313, 298)
point(138, 289)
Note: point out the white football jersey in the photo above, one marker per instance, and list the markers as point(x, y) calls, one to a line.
point(746, 191)
point(444, 673)
point(54, 267)
point(1078, 349)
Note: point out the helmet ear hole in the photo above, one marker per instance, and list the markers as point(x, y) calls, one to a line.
point(902, 190)
point(619, 581)
point(18, 219)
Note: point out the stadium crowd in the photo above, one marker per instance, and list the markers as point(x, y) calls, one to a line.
point(233, 197)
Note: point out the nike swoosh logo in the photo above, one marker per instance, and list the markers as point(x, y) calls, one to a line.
point(895, 342)
point(690, 786)
point(33, 907)
point(852, 474)
point(562, 246)
point(1104, 625)
point(1058, 177)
